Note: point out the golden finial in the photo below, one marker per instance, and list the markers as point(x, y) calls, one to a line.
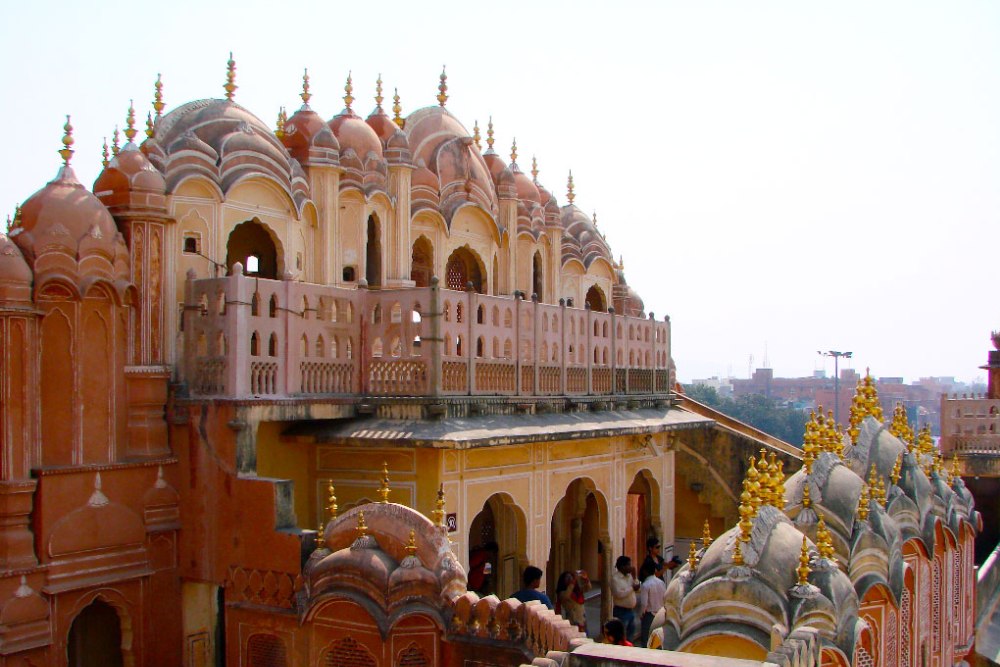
point(279, 126)
point(871, 391)
point(114, 142)
point(806, 495)
point(882, 496)
point(66, 152)
point(772, 480)
point(897, 469)
point(439, 513)
point(925, 441)
point(753, 476)
point(513, 152)
point(331, 501)
point(534, 169)
point(149, 125)
point(348, 89)
point(738, 554)
point(569, 188)
point(305, 94)
point(706, 534)
point(130, 130)
point(956, 470)
point(475, 135)
point(803, 569)
point(411, 544)
point(900, 426)
point(489, 136)
point(158, 105)
point(443, 88)
point(383, 489)
point(809, 443)
point(593, 216)
point(397, 109)
point(863, 501)
point(378, 93)
point(779, 486)
point(17, 217)
point(104, 154)
point(824, 540)
point(230, 78)
point(873, 479)
point(693, 557)
point(763, 480)
point(362, 527)
point(746, 512)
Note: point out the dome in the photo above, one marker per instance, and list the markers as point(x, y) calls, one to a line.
point(526, 190)
point(15, 275)
point(581, 230)
point(62, 223)
point(354, 133)
point(382, 125)
point(130, 179)
point(397, 148)
point(305, 130)
point(428, 128)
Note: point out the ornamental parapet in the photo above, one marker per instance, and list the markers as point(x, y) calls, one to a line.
point(247, 338)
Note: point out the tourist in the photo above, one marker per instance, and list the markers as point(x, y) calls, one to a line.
point(532, 579)
point(481, 560)
point(614, 633)
point(569, 597)
point(623, 589)
point(668, 570)
point(651, 594)
point(653, 557)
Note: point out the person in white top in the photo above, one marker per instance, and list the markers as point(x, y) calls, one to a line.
point(623, 589)
point(651, 594)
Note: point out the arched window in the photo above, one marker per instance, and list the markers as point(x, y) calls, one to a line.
point(373, 253)
point(464, 267)
point(252, 244)
point(422, 262)
point(255, 304)
point(95, 638)
point(537, 279)
point(595, 299)
point(254, 345)
point(272, 306)
point(272, 346)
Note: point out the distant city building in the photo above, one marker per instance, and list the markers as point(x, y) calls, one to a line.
point(722, 386)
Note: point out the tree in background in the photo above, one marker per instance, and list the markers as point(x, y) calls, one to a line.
point(759, 411)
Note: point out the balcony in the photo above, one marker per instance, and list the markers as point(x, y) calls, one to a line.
point(250, 338)
point(970, 430)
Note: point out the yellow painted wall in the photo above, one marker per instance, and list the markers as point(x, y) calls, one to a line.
point(727, 646)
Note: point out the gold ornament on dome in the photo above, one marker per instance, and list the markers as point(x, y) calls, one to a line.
point(149, 125)
point(442, 95)
point(809, 443)
point(738, 554)
point(803, 569)
point(279, 129)
point(230, 86)
point(105, 154)
point(956, 470)
point(706, 535)
point(779, 486)
point(693, 557)
point(130, 130)
point(897, 469)
point(806, 495)
point(863, 501)
point(882, 496)
point(534, 170)
point(746, 512)
point(489, 136)
point(570, 196)
point(397, 109)
point(824, 540)
point(900, 426)
point(348, 97)
point(383, 489)
point(439, 513)
point(411, 544)
point(114, 142)
point(378, 93)
point(513, 152)
point(158, 105)
point(66, 152)
point(331, 501)
point(362, 528)
point(475, 136)
point(305, 94)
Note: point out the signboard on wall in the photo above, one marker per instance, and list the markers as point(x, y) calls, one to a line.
point(451, 520)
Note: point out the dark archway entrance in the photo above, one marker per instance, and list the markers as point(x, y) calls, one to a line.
point(373, 253)
point(596, 300)
point(464, 267)
point(497, 534)
point(251, 244)
point(422, 262)
point(95, 638)
point(537, 279)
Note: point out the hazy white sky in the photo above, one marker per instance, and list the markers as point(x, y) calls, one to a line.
point(788, 176)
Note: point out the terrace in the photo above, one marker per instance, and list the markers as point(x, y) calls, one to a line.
point(251, 338)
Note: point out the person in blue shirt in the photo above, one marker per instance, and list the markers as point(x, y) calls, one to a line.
point(532, 579)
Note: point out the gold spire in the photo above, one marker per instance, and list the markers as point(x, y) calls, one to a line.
point(534, 169)
point(331, 501)
point(824, 540)
point(489, 136)
point(362, 527)
point(738, 554)
point(279, 126)
point(863, 501)
point(924, 440)
point(897, 469)
point(900, 426)
point(397, 109)
point(114, 142)
point(66, 152)
point(809, 443)
point(158, 105)
point(378, 93)
point(956, 470)
point(693, 557)
point(706, 534)
point(230, 78)
point(882, 497)
point(149, 125)
point(873, 480)
point(764, 481)
point(569, 188)
point(806, 495)
point(746, 512)
point(513, 152)
point(442, 96)
point(411, 544)
point(779, 486)
point(475, 135)
point(439, 513)
point(755, 485)
point(130, 130)
point(104, 154)
point(803, 569)
point(348, 89)
point(305, 94)
point(383, 489)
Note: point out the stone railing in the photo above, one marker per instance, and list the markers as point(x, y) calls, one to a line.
point(246, 337)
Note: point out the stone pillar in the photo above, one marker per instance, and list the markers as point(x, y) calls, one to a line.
point(398, 251)
point(17, 543)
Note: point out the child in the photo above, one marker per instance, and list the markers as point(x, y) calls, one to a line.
point(614, 633)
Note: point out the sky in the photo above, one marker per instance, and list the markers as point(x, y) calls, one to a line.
point(778, 177)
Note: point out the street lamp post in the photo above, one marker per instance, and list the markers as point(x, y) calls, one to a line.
point(836, 378)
